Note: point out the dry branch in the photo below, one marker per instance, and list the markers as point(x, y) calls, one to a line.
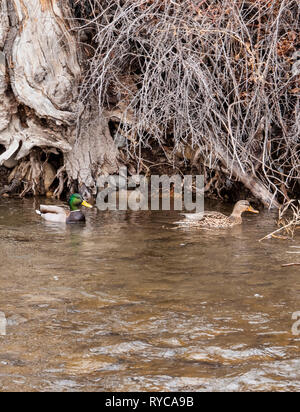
point(210, 74)
point(288, 220)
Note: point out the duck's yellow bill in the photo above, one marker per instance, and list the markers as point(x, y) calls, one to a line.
point(250, 209)
point(86, 204)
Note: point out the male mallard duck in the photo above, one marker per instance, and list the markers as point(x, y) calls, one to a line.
point(60, 215)
point(217, 219)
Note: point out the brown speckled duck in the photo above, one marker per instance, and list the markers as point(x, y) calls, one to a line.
point(217, 220)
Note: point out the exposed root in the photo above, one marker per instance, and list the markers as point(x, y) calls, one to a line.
point(62, 179)
point(36, 175)
point(8, 189)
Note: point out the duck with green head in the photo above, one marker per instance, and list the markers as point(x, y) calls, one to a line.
point(60, 215)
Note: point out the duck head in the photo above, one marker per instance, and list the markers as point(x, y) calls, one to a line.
point(76, 201)
point(241, 207)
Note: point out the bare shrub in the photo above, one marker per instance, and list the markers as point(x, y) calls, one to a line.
point(289, 217)
point(207, 74)
point(288, 221)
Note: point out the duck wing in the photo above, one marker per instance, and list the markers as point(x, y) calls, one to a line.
point(54, 217)
point(196, 217)
point(52, 213)
point(52, 209)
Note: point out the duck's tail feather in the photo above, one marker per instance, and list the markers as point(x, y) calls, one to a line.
point(38, 212)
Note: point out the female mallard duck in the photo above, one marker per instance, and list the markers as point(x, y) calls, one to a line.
point(217, 219)
point(60, 215)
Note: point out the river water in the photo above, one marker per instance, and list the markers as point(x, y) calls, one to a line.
point(126, 303)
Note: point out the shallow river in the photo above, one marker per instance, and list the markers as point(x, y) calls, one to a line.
point(126, 303)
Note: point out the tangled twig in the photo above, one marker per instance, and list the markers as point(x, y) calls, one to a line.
point(287, 224)
point(203, 73)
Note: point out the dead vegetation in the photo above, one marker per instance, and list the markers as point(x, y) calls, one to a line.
point(187, 86)
point(37, 174)
point(288, 221)
point(206, 86)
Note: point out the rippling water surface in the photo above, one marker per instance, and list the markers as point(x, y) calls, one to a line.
point(126, 303)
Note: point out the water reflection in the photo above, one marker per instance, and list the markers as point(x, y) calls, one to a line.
point(127, 303)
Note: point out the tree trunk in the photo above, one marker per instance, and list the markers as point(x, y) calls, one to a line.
point(39, 106)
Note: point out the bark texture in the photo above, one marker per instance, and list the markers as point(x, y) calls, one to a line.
point(39, 105)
